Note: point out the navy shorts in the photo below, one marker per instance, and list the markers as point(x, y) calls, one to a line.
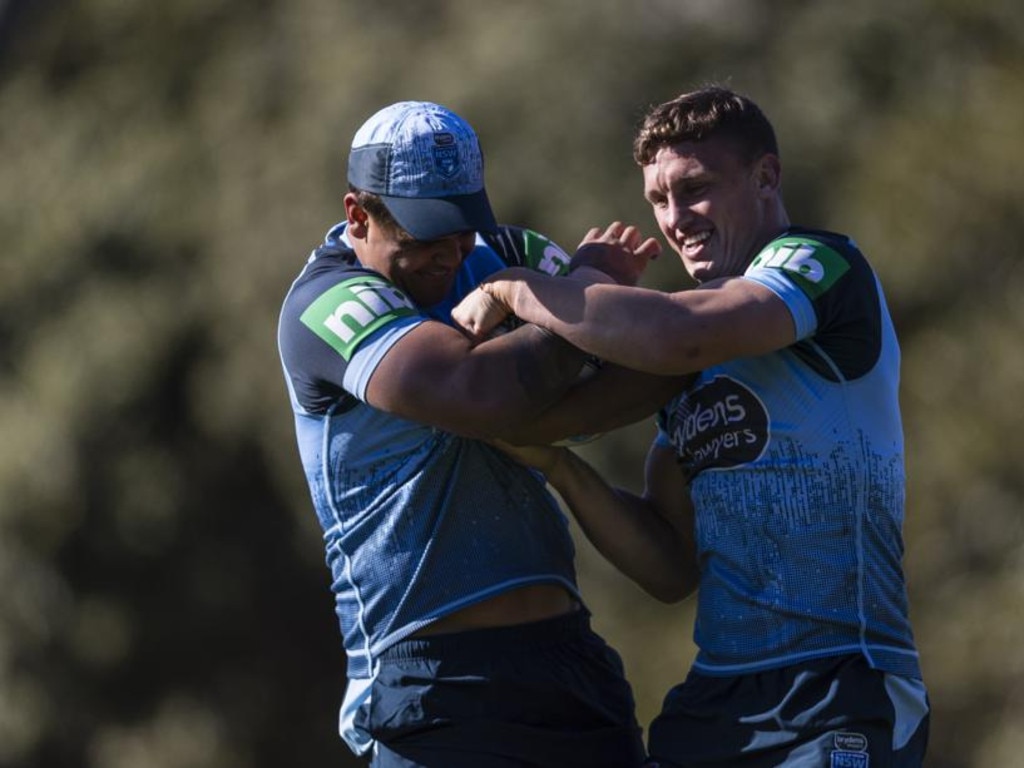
point(550, 693)
point(828, 713)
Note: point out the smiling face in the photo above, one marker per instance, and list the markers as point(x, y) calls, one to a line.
point(424, 270)
point(715, 210)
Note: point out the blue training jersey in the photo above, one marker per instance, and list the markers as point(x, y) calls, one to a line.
point(418, 522)
point(796, 470)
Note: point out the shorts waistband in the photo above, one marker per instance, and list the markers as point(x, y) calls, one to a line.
point(535, 634)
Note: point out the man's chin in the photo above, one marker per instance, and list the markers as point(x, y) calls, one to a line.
point(701, 271)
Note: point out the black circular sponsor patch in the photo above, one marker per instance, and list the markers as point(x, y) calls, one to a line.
point(720, 424)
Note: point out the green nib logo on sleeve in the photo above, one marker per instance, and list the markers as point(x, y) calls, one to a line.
point(543, 255)
point(350, 311)
point(814, 267)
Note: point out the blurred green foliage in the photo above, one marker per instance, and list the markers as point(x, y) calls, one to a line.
point(166, 167)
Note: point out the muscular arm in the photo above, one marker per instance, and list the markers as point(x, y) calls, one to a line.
point(652, 331)
point(500, 387)
point(435, 375)
point(650, 537)
point(613, 398)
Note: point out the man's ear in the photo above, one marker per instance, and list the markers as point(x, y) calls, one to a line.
point(356, 216)
point(769, 174)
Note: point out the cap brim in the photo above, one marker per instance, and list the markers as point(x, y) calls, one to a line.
point(431, 218)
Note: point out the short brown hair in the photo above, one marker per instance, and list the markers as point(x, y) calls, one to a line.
point(702, 114)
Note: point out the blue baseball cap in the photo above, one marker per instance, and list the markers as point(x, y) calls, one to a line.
point(425, 163)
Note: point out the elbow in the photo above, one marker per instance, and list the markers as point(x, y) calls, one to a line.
point(673, 585)
point(484, 412)
point(683, 361)
point(670, 594)
point(484, 425)
point(665, 360)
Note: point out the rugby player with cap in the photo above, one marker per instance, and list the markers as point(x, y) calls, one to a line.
point(467, 640)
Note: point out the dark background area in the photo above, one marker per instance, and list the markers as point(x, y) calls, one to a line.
point(165, 168)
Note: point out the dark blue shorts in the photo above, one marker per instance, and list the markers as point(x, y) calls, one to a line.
point(828, 713)
point(550, 693)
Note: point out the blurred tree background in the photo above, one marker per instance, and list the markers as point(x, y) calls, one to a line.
point(166, 168)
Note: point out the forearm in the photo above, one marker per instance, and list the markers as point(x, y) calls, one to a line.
point(626, 529)
point(613, 398)
point(545, 364)
point(435, 375)
point(634, 327)
point(513, 379)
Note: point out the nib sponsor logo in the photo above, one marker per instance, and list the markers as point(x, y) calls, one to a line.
point(719, 425)
point(347, 313)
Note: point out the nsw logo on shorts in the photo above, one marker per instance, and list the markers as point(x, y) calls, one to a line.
point(851, 751)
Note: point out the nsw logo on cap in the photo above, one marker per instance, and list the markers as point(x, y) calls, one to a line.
point(446, 155)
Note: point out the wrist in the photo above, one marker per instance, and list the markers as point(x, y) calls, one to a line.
point(496, 288)
point(591, 275)
point(587, 255)
point(503, 286)
point(558, 468)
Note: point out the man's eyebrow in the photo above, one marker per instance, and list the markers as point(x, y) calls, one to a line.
point(693, 180)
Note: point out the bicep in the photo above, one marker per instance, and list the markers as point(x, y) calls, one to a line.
point(435, 375)
point(419, 377)
point(667, 490)
point(733, 318)
point(665, 487)
point(663, 333)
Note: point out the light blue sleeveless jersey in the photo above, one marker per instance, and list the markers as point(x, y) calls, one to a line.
point(417, 522)
point(796, 470)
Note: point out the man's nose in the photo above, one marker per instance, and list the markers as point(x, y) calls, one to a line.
point(679, 215)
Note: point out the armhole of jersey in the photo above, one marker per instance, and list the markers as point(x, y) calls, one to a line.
point(503, 242)
point(525, 247)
